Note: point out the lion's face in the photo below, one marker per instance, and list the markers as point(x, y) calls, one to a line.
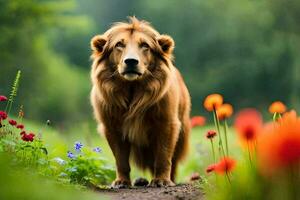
point(131, 50)
point(132, 54)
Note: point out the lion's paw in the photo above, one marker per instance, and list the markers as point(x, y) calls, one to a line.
point(120, 184)
point(156, 182)
point(141, 182)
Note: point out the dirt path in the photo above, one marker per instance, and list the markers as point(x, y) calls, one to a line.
point(179, 192)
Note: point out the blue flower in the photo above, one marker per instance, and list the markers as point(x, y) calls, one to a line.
point(97, 149)
point(78, 146)
point(71, 155)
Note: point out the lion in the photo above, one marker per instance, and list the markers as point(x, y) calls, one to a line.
point(140, 100)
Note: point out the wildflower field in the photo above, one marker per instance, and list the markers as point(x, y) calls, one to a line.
point(239, 61)
point(238, 156)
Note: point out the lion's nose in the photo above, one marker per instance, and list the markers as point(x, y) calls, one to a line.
point(131, 62)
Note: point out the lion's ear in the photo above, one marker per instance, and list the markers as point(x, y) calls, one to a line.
point(166, 43)
point(97, 43)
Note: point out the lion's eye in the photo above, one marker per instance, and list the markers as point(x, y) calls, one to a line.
point(144, 45)
point(120, 45)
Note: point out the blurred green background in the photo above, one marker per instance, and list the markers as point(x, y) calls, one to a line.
point(246, 50)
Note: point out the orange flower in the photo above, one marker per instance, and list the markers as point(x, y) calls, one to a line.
point(198, 121)
point(224, 111)
point(248, 124)
point(279, 147)
point(213, 101)
point(277, 107)
point(225, 165)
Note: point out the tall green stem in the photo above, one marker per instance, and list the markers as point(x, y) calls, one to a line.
point(249, 153)
point(276, 116)
point(292, 180)
point(213, 150)
point(217, 124)
point(226, 140)
point(228, 178)
point(13, 93)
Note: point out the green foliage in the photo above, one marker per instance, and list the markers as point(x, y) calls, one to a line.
point(88, 168)
point(85, 168)
point(30, 153)
point(17, 183)
point(13, 92)
point(26, 27)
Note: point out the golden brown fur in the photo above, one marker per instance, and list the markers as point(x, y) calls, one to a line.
point(145, 114)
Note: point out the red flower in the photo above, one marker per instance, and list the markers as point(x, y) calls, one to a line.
point(3, 98)
point(226, 165)
point(248, 123)
point(211, 168)
point(211, 134)
point(22, 133)
point(20, 126)
point(28, 137)
point(3, 115)
point(198, 121)
point(12, 122)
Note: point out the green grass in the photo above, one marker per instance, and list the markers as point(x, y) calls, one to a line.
point(21, 185)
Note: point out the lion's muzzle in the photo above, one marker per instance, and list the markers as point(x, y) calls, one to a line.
point(131, 69)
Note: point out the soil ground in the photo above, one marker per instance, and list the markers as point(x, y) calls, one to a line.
point(179, 192)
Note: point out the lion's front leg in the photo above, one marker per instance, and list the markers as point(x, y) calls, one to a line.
point(121, 151)
point(165, 146)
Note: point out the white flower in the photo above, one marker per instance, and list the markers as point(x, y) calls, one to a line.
point(59, 161)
